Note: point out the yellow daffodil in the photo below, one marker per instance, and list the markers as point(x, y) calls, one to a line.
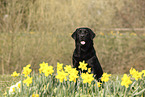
point(105, 77)
point(126, 81)
point(59, 66)
point(48, 70)
point(99, 84)
point(73, 77)
point(89, 70)
point(35, 95)
point(120, 34)
point(133, 34)
point(132, 71)
point(32, 32)
point(28, 66)
point(138, 75)
point(62, 76)
point(101, 33)
point(112, 33)
point(28, 81)
point(68, 68)
point(27, 70)
point(42, 67)
point(73, 74)
point(83, 65)
point(73, 71)
point(87, 78)
point(135, 74)
point(15, 74)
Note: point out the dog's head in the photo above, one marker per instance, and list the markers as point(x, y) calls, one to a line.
point(83, 35)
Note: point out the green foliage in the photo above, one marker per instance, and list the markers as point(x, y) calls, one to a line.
point(50, 86)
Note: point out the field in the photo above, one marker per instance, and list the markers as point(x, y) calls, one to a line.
point(37, 31)
point(33, 31)
point(116, 48)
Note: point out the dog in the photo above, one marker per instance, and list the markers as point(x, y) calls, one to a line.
point(85, 51)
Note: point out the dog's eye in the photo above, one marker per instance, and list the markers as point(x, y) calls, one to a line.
point(80, 31)
point(86, 32)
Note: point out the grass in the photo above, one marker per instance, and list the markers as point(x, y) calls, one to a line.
point(6, 81)
point(51, 86)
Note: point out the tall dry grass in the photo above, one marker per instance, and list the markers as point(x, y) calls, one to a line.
point(65, 16)
point(39, 30)
point(117, 54)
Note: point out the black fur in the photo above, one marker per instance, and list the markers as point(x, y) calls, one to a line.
point(86, 52)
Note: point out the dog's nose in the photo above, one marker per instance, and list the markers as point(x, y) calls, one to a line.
point(82, 36)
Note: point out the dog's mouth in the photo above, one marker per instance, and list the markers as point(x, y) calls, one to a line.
point(83, 42)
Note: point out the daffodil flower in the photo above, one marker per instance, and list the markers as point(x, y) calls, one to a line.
point(59, 66)
point(105, 77)
point(99, 84)
point(126, 81)
point(26, 70)
point(73, 77)
point(87, 78)
point(83, 65)
point(48, 70)
point(35, 95)
point(42, 67)
point(61, 76)
point(89, 70)
point(28, 81)
point(68, 68)
point(135, 74)
point(15, 74)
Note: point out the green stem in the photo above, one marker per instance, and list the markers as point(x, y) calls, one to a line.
point(21, 87)
point(86, 88)
point(104, 92)
point(125, 92)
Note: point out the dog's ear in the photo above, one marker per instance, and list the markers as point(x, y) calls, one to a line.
point(92, 34)
point(74, 35)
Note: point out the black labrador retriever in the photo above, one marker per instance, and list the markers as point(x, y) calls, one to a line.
point(85, 51)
